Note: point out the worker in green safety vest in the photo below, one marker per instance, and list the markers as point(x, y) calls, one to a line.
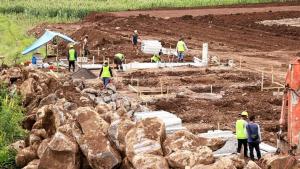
point(119, 59)
point(181, 48)
point(241, 133)
point(156, 57)
point(72, 57)
point(105, 74)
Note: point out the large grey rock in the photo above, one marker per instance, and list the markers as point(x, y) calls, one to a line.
point(90, 121)
point(97, 149)
point(107, 99)
point(182, 140)
point(117, 132)
point(50, 99)
point(182, 158)
point(147, 161)
point(221, 163)
point(145, 138)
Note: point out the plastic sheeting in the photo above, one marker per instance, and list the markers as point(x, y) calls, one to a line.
point(46, 37)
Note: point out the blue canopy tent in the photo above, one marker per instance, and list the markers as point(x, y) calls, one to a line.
point(44, 39)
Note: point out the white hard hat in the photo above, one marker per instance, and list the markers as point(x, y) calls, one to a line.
point(135, 31)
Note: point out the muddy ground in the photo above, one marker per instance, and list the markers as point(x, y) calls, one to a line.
point(240, 91)
point(230, 36)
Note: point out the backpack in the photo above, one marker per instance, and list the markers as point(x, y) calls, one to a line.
point(253, 136)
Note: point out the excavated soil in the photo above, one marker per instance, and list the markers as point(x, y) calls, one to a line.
point(241, 91)
point(230, 35)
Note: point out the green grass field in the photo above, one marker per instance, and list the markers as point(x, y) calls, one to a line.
point(17, 16)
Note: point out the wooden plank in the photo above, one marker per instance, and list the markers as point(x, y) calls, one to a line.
point(133, 89)
point(273, 88)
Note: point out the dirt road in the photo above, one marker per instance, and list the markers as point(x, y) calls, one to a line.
point(202, 12)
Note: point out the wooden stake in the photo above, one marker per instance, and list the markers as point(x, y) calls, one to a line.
point(272, 69)
point(218, 126)
point(98, 52)
point(211, 89)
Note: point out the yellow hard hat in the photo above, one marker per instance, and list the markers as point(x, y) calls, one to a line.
point(71, 45)
point(244, 113)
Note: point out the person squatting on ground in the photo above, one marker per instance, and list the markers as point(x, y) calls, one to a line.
point(254, 137)
point(119, 59)
point(105, 74)
point(72, 57)
point(241, 133)
point(181, 48)
point(156, 58)
point(134, 41)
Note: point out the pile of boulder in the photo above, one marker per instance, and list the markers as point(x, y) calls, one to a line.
point(75, 124)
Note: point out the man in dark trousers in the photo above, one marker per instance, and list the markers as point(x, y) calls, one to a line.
point(134, 41)
point(105, 74)
point(241, 133)
point(254, 137)
point(72, 57)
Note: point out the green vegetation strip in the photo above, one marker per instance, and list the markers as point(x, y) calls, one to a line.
point(11, 115)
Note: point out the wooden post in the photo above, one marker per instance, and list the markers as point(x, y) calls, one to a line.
point(211, 89)
point(262, 81)
point(98, 52)
point(272, 70)
point(93, 59)
point(218, 126)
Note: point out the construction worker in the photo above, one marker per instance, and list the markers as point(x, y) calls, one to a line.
point(181, 48)
point(156, 58)
point(72, 57)
point(105, 74)
point(254, 137)
point(241, 132)
point(119, 59)
point(134, 41)
point(85, 46)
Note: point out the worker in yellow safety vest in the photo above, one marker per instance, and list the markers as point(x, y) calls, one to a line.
point(241, 133)
point(181, 48)
point(156, 57)
point(105, 74)
point(72, 57)
point(119, 59)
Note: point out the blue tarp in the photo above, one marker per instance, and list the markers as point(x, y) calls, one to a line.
point(46, 37)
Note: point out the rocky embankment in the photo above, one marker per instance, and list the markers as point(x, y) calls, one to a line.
point(74, 124)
